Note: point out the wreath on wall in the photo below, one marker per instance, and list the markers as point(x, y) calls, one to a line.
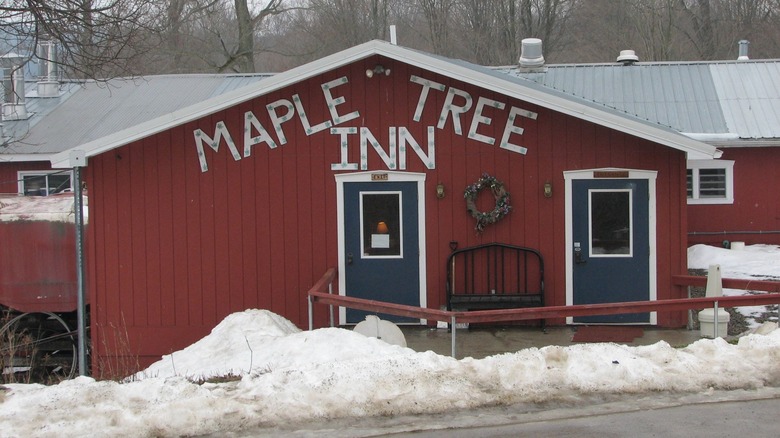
point(502, 201)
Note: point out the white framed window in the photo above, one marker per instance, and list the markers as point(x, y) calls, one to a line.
point(44, 182)
point(710, 182)
point(381, 224)
point(610, 223)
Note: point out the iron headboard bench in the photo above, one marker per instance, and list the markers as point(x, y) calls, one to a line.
point(495, 276)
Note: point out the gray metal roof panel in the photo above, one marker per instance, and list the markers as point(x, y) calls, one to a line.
point(750, 95)
point(584, 96)
point(97, 109)
point(727, 97)
point(123, 116)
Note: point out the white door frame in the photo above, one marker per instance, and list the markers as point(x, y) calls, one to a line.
point(589, 174)
point(380, 177)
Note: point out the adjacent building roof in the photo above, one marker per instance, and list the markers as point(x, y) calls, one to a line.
point(725, 103)
point(52, 208)
point(87, 111)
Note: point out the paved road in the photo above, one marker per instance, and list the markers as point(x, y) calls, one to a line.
point(754, 418)
point(741, 413)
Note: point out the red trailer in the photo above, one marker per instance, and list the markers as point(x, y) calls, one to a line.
point(38, 289)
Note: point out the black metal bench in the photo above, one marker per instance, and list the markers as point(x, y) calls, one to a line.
point(495, 276)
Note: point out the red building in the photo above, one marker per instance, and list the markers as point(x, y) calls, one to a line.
point(246, 199)
point(732, 105)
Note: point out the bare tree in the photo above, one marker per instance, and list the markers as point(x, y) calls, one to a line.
point(181, 40)
point(702, 30)
point(491, 31)
point(105, 38)
point(480, 33)
point(344, 23)
point(545, 19)
point(240, 56)
point(656, 25)
point(96, 39)
point(717, 25)
point(438, 15)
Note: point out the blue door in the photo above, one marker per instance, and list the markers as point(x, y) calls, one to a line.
point(611, 240)
point(381, 245)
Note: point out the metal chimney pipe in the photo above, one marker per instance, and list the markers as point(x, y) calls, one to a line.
point(531, 55)
point(627, 57)
point(743, 50)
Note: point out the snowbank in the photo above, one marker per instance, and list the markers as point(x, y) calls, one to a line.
point(291, 376)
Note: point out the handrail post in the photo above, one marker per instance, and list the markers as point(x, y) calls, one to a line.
point(311, 314)
point(453, 331)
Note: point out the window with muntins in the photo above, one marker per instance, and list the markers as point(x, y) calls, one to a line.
point(710, 182)
point(44, 183)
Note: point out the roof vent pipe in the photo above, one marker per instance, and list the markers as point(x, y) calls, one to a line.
point(627, 57)
point(743, 50)
point(531, 53)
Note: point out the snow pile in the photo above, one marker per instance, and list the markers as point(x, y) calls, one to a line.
point(228, 347)
point(760, 262)
point(757, 262)
point(297, 376)
point(53, 208)
point(292, 377)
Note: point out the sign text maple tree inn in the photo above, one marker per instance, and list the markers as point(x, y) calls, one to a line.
point(398, 137)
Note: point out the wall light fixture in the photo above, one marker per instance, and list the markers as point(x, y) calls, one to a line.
point(377, 70)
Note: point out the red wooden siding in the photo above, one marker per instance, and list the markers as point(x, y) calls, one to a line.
point(38, 266)
point(9, 177)
point(756, 207)
point(174, 249)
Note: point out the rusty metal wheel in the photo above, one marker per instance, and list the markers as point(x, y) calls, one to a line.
point(37, 347)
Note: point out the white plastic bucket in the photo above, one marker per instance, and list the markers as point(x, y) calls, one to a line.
point(707, 323)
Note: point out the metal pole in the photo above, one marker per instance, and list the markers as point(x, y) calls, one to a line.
point(81, 311)
point(453, 330)
point(330, 306)
point(311, 317)
point(715, 321)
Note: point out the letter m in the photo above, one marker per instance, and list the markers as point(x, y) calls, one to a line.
point(220, 132)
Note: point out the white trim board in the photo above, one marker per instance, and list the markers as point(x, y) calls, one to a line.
point(587, 174)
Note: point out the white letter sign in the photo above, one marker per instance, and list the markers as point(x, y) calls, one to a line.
point(220, 132)
point(510, 129)
point(333, 103)
point(453, 109)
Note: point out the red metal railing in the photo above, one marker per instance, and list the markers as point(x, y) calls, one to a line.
point(728, 283)
point(317, 294)
point(323, 284)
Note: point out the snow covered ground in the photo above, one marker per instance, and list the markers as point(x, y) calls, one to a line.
point(293, 377)
point(757, 262)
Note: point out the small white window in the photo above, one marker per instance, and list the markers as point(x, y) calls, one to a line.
point(44, 182)
point(710, 182)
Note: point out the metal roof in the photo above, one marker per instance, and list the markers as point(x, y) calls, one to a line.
point(479, 76)
point(720, 102)
point(102, 116)
point(92, 110)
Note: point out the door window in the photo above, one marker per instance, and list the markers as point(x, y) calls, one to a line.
point(610, 223)
point(381, 225)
